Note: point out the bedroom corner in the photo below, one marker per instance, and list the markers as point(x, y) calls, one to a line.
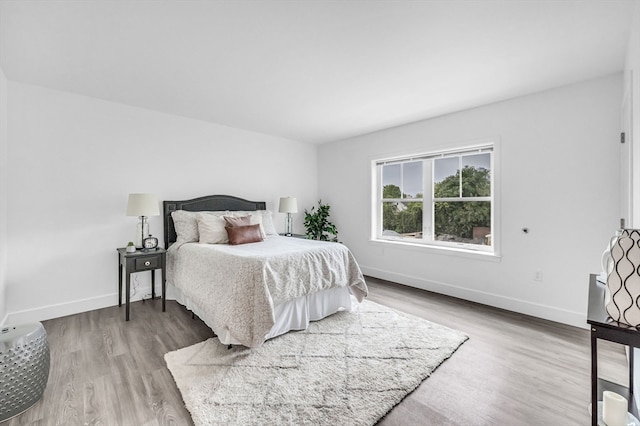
point(562, 120)
point(84, 156)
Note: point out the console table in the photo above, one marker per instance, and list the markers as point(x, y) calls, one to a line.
point(603, 327)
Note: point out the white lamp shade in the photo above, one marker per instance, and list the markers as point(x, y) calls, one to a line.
point(288, 205)
point(143, 205)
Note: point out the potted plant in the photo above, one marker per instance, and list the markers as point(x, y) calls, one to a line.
point(318, 225)
point(131, 247)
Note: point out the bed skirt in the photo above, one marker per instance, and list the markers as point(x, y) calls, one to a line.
point(295, 314)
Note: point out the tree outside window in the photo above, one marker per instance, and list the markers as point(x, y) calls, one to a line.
point(445, 198)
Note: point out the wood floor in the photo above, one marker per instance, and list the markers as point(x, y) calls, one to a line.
point(514, 369)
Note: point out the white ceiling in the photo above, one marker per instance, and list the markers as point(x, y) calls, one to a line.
point(313, 71)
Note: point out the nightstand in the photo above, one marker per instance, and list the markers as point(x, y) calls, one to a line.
point(140, 261)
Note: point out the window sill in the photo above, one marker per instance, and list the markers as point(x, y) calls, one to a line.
point(440, 250)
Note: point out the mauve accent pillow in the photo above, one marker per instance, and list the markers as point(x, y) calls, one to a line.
point(266, 218)
point(255, 218)
point(244, 234)
point(233, 221)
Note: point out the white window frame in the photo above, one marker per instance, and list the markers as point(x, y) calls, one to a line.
point(485, 145)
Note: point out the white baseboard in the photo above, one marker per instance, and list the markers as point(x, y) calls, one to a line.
point(577, 319)
point(551, 313)
point(69, 308)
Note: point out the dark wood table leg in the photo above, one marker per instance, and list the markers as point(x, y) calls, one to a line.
point(119, 280)
point(153, 284)
point(164, 289)
point(594, 378)
point(128, 290)
point(631, 361)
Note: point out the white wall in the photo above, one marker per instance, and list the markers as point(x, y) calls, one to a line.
point(559, 173)
point(73, 160)
point(3, 194)
point(632, 88)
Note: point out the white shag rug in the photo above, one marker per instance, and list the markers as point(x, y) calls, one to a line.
point(349, 368)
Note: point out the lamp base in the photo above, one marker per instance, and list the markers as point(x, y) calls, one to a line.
point(142, 231)
point(288, 225)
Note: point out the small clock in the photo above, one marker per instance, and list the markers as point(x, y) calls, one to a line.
point(150, 243)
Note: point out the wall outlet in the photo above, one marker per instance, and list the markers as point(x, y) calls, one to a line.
point(537, 276)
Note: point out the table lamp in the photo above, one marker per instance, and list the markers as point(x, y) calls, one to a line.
point(288, 205)
point(143, 206)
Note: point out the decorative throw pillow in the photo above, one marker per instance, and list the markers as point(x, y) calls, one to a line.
point(237, 220)
point(256, 219)
point(266, 218)
point(244, 234)
point(211, 229)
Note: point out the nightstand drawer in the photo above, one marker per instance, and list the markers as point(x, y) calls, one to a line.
point(147, 263)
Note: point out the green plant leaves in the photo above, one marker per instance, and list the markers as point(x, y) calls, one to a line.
point(318, 225)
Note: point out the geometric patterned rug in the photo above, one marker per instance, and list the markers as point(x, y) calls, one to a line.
point(349, 368)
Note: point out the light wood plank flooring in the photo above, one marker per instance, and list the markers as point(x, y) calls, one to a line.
point(514, 369)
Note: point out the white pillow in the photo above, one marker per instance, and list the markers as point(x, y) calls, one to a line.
point(267, 220)
point(186, 224)
point(211, 229)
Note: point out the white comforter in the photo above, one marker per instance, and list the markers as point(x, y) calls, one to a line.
point(237, 286)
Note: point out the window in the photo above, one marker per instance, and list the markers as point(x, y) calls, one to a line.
point(443, 199)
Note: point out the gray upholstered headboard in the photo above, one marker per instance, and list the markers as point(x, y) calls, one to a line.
point(208, 203)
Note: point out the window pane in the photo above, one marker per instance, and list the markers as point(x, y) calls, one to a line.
point(402, 219)
point(476, 177)
point(446, 177)
point(412, 180)
point(464, 222)
point(391, 177)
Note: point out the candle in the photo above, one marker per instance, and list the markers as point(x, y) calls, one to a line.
point(614, 409)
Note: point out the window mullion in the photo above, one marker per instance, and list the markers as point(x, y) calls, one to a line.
point(460, 177)
point(402, 180)
point(427, 196)
point(401, 200)
point(379, 210)
point(461, 199)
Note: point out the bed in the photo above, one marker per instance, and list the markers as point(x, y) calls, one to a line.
point(249, 293)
